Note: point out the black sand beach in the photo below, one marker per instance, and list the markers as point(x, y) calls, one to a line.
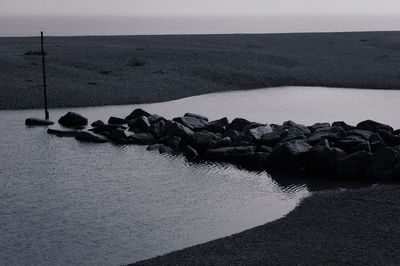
point(88, 71)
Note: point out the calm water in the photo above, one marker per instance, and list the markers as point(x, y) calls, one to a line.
point(67, 26)
point(65, 203)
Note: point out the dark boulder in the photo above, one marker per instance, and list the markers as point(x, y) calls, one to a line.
point(140, 124)
point(355, 164)
point(62, 133)
point(226, 153)
point(204, 140)
point(141, 139)
point(196, 116)
point(373, 126)
point(192, 122)
point(155, 118)
point(343, 125)
point(365, 134)
point(117, 120)
point(189, 152)
point(303, 128)
point(289, 153)
point(238, 124)
point(365, 146)
point(118, 135)
point(165, 149)
point(85, 136)
point(38, 122)
point(348, 143)
point(376, 143)
point(274, 137)
point(293, 133)
point(73, 120)
point(158, 129)
point(323, 159)
point(260, 131)
point(384, 161)
point(97, 123)
point(173, 142)
point(389, 138)
point(318, 126)
point(232, 134)
point(177, 129)
point(329, 133)
point(136, 114)
point(217, 126)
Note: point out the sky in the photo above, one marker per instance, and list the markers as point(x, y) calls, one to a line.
point(197, 7)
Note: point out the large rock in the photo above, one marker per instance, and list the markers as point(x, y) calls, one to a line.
point(158, 129)
point(274, 137)
point(177, 129)
point(136, 114)
point(389, 138)
point(323, 159)
point(260, 131)
point(365, 134)
point(373, 126)
point(217, 126)
point(141, 139)
point(289, 153)
point(117, 120)
point(173, 142)
point(293, 133)
point(318, 126)
point(73, 120)
point(62, 133)
point(194, 122)
point(140, 124)
point(119, 135)
point(355, 164)
point(97, 123)
point(238, 124)
point(329, 133)
point(204, 140)
point(343, 125)
point(85, 136)
point(196, 116)
point(38, 122)
point(377, 143)
point(289, 124)
point(189, 152)
point(226, 153)
point(384, 161)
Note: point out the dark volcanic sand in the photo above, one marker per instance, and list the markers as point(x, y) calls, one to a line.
point(355, 227)
point(85, 71)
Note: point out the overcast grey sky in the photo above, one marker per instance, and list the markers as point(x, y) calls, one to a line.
point(196, 7)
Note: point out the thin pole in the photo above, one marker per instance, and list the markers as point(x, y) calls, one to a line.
point(46, 112)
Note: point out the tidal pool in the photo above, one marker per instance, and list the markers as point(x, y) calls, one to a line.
point(64, 203)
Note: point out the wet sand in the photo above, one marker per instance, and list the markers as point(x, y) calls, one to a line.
point(88, 71)
point(353, 227)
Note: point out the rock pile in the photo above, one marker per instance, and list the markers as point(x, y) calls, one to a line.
point(369, 150)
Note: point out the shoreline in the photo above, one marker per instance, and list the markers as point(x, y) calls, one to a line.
point(115, 70)
point(357, 227)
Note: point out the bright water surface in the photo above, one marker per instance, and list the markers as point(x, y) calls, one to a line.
point(73, 26)
point(66, 203)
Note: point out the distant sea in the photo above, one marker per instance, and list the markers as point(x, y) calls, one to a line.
point(82, 26)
